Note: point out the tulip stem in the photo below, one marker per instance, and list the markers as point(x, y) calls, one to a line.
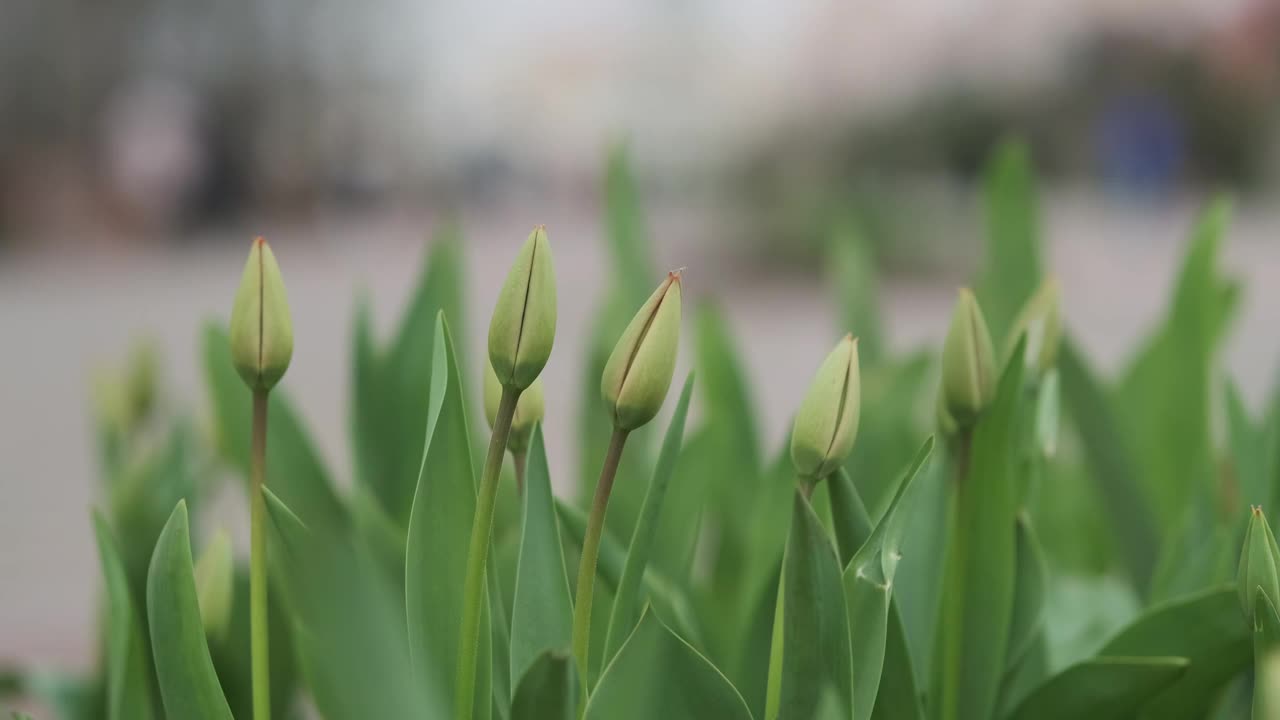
point(260, 653)
point(520, 460)
point(590, 553)
point(478, 555)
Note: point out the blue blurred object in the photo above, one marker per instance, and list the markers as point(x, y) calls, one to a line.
point(1141, 145)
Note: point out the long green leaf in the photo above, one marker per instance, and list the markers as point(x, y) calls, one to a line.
point(978, 590)
point(627, 598)
point(542, 615)
point(812, 650)
point(440, 531)
point(128, 675)
point(1029, 592)
point(658, 675)
point(548, 690)
point(1205, 628)
point(188, 683)
point(1013, 265)
point(294, 469)
point(853, 273)
point(1105, 688)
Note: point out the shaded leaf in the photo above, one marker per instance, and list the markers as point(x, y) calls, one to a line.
point(548, 690)
point(128, 691)
point(1106, 688)
point(1013, 263)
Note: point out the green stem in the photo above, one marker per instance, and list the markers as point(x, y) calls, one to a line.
point(590, 553)
point(260, 652)
point(478, 555)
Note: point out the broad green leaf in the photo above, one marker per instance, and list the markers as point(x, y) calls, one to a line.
point(542, 615)
point(383, 538)
point(1205, 628)
point(188, 683)
point(849, 517)
point(812, 650)
point(355, 669)
point(1163, 399)
point(232, 656)
point(1249, 445)
point(440, 532)
point(658, 675)
point(627, 597)
point(852, 268)
point(294, 469)
point(1013, 264)
point(548, 690)
point(1114, 470)
point(128, 691)
point(633, 264)
point(899, 695)
point(1029, 592)
point(978, 586)
point(1105, 688)
point(868, 589)
point(918, 582)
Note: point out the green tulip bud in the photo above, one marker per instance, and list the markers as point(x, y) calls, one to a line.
point(141, 381)
point(827, 421)
point(1041, 321)
point(261, 331)
point(1259, 564)
point(523, 327)
point(529, 410)
point(638, 374)
point(215, 585)
point(968, 363)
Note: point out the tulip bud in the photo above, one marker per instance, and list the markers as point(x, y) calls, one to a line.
point(215, 583)
point(968, 363)
point(827, 421)
point(523, 327)
point(1041, 321)
point(639, 370)
point(141, 381)
point(529, 410)
point(261, 331)
point(1259, 569)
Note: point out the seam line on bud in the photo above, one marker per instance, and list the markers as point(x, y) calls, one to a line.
point(261, 303)
point(524, 307)
point(644, 332)
point(975, 370)
point(844, 397)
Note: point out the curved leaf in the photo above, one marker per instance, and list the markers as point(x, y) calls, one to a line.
point(542, 614)
point(627, 599)
point(188, 683)
point(1206, 629)
point(128, 675)
point(1105, 688)
point(658, 675)
point(548, 690)
point(440, 532)
point(812, 651)
point(1029, 592)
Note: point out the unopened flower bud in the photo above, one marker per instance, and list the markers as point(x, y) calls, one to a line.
point(827, 421)
point(523, 327)
point(968, 363)
point(215, 585)
point(1259, 564)
point(1041, 321)
point(261, 330)
point(529, 410)
point(638, 374)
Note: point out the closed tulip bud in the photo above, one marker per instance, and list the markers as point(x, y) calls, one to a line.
point(523, 327)
point(1259, 564)
point(638, 374)
point(1041, 321)
point(215, 583)
point(968, 363)
point(827, 421)
point(261, 330)
point(529, 410)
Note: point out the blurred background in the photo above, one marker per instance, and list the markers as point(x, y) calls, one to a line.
point(143, 143)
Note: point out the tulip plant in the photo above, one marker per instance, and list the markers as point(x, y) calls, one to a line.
point(987, 532)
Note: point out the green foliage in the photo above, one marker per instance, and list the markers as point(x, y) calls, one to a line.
point(1065, 552)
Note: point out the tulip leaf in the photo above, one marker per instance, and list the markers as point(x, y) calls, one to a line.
point(1206, 628)
point(627, 596)
point(811, 647)
point(128, 677)
point(294, 470)
point(853, 273)
point(1105, 688)
point(1029, 592)
point(979, 583)
point(440, 533)
point(188, 682)
point(542, 615)
point(548, 690)
point(1013, 263)
point(658, 675)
